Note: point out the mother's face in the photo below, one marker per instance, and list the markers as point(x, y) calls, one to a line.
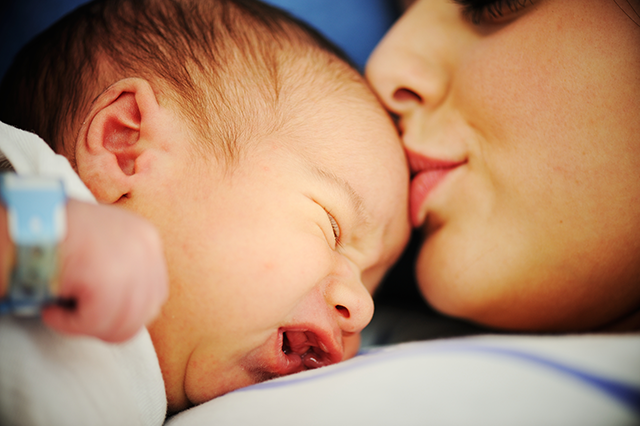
point(523, 132)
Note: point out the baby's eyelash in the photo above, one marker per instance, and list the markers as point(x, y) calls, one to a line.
point(478, 11)
point(335, 227)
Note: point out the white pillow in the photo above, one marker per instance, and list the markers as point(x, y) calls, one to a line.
point(484, 380)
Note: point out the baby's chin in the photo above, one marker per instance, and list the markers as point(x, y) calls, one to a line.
point(204, 385)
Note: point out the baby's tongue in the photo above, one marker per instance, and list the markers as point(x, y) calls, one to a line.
point(298, 342)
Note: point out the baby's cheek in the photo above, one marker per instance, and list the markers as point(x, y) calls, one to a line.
point(372, 277)
point(351, 346)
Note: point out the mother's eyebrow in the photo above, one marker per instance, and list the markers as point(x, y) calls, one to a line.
point(355, 199)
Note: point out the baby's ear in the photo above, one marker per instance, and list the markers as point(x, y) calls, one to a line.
point(112, 138)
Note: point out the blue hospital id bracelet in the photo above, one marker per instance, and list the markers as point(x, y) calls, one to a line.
point(36, 216)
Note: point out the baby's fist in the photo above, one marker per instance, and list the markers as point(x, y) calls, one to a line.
point(114, 269)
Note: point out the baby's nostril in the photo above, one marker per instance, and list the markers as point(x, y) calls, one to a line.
point(404, 95)
point(343, 311)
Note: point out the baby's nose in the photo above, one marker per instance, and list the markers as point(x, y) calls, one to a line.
point(351, 303)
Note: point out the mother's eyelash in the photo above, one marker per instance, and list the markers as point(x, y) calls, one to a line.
point(478, 11)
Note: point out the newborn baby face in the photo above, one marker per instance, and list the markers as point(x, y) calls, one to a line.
point(272, 263)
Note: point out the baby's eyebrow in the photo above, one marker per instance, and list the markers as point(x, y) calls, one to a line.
point(355, 199)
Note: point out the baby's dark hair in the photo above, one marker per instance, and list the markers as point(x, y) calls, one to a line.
point(224, 59)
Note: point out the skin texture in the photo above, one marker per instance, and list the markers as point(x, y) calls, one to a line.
point(538, 225)
point(251, 251)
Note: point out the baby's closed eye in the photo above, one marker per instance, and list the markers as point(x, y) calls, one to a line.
point(335, 227)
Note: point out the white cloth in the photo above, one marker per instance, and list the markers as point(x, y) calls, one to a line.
point(30, 155)
point(579, 380)
point(50, 379)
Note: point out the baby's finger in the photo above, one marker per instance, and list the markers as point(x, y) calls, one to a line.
point(63, 320)
point(71, 322)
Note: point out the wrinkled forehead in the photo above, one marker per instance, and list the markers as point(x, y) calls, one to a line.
point(347, 137)
point(349, 133)
point(366, 145)
point(341, 113)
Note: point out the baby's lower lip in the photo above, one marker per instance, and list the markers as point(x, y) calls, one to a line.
point(421, 186)
point(289, 351)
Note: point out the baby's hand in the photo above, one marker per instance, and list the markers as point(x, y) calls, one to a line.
point(113, 268)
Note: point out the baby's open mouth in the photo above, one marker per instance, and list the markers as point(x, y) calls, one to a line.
point(312, 352)
point(293, 349)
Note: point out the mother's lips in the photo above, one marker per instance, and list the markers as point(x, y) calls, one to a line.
point(427, 173)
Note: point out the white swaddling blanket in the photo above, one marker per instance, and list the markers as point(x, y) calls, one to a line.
point(579, 380)
point(50, 379)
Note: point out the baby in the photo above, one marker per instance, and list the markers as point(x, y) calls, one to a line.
point(275, 179)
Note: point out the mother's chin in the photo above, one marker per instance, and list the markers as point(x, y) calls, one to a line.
point(513, 285)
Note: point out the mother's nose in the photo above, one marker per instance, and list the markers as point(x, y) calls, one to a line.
point(411, 67)
point(405, 82)
point(349, 301)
